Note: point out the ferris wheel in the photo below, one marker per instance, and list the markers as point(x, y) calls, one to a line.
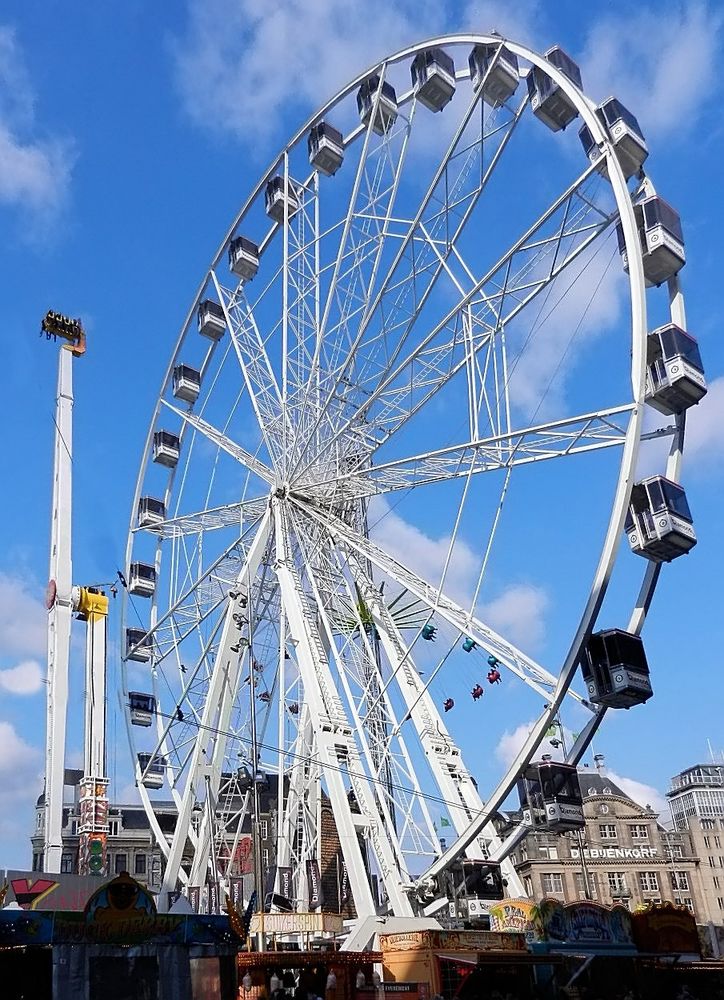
point(434, 292)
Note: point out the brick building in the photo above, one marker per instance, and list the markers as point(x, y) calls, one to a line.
point(132, 847)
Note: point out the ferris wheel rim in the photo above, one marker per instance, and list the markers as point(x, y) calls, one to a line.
point(636, 284)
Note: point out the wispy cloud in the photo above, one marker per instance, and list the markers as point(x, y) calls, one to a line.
point(704, 438)
point(20, 784)
point(660, 61)
point(35, 169)
point(585, 301)
point(517, 612)
point(241, 66)
point(23, 619)
point(25, 678)
point(643, 794)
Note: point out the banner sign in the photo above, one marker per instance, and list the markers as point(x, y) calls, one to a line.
point(40, 891)
point(213, 897)
point(285, 883)
point(270, 879)
point(314, 885)
point(236, 891)
point(584, 923)
point(516, 915)
point(194, 894)
point(344, 885)
point(617, 853)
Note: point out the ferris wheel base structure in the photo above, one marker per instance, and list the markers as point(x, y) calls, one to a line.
point(357, 296)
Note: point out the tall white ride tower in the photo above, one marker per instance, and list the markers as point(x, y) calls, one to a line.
point(63, 600)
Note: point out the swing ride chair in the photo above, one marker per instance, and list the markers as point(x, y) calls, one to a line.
point(278, 641)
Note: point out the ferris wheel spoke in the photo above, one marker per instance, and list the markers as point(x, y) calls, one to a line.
point(361, 247)
point(358, 672)
point(210, 745)
point(530, 672)
point(333, 733)
point(259, 378)
point(210, 519)
point(220, 439)
point(426, 245)
point(555, 439)
point(195, 600)
point(375, 717)
point(453, 779)
point(551, 244)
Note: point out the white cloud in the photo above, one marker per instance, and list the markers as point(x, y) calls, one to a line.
point(704, 441)
point(240, 66)
point(643, 794)
point(34, 170)
point(23, 618)
point(127, 794)
point(584, 302)
point(20, 784)
point(511, 741)
point(426, 555)
point(25, 678)
point(659, 61)
point(518, 613)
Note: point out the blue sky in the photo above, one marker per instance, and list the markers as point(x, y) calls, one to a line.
point(128, 140)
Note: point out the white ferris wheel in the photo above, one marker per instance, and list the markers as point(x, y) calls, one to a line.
point(372, 361)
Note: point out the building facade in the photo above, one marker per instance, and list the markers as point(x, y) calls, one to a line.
point(624, 855)
point(132, 846)
point(696, 799)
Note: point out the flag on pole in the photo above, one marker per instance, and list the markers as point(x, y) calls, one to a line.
point(444, 821)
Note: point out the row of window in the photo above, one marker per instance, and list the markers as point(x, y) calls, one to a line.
point(713, 861)
point(117, 863)
point(648, 881)
point(609, 831)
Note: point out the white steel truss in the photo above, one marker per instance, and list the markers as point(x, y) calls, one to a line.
point(283, 641)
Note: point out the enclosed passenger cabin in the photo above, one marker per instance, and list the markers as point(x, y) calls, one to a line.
point(186, 383)
point(386, 115)
point(152, 770)
point(481, 880)
point(625, 134)
point(547, 100)
point(550, 796)
point(243, 257)
point(433, 78)
point(142, 708)
point(658, 523)
point(615, 669)
point(166, 448)
point(503, 72)
point(277, 200)
point(142, 580)
point(138, 645)
point(662, 241)
point(210, 320)
point(150, 512)
point(326, 148)
point(674, 374)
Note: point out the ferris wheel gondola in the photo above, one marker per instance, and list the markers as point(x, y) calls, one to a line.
point(379, 322)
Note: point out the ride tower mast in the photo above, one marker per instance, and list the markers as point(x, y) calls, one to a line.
point(60, 588)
